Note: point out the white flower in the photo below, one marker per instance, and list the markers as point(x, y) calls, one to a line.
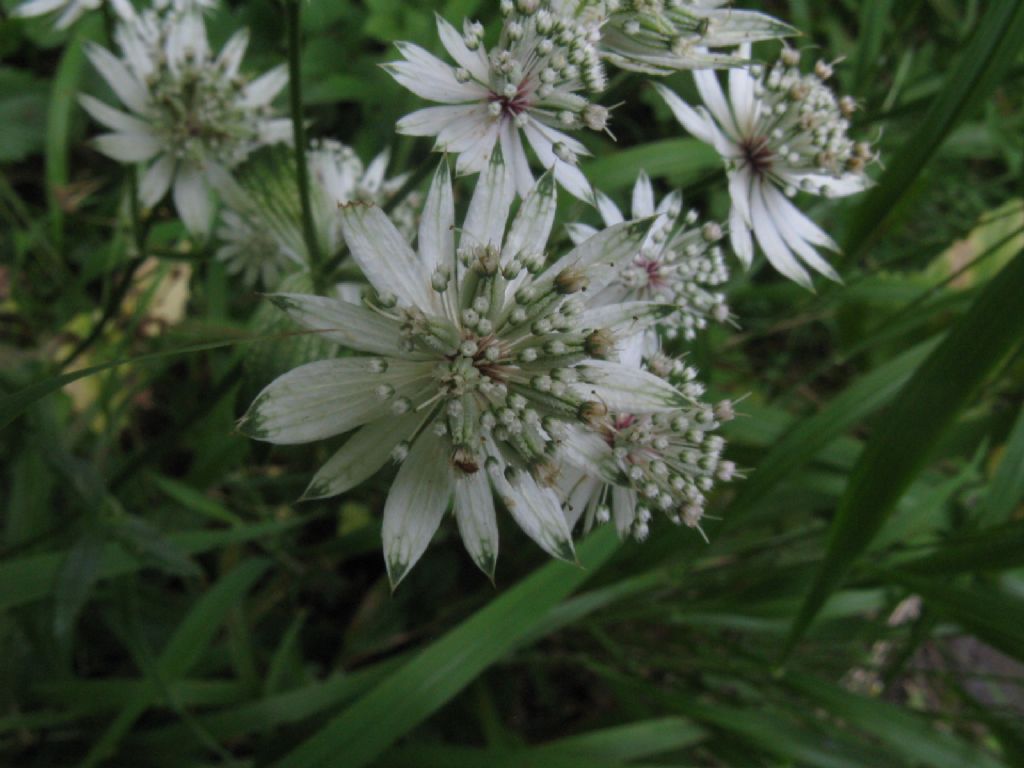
point(68, 11)
point(680, 263)
point(661, 36)
point(531, 84)
point(476, 353)
point(779, 132)
point(630, 465)
point(191, 117)
point(261, 228)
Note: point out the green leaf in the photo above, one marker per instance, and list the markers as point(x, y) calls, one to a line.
point(676, 159)
point(807, 437)
point(31, 578)
point(918, 417)
point(186, 646)
point(993, 48)
point(1007, 487)
point(442, 669)
point(22, 114)
point(902, 731)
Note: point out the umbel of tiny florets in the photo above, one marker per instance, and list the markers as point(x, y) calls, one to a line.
point(680, 263)
point(536, 83)
point(659, 37)
point(780, 132)
point(629, 466)
point(477, 354)
point(193, 116)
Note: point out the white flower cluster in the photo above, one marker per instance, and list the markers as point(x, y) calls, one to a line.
point(494, 367)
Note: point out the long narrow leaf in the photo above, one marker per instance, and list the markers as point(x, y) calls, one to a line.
point(922, 411)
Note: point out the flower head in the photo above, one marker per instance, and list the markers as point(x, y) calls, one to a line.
point(474, 355)
point(261, 227)
point(780, 132)
point(680, 264)
point(535, 84)
point(629, 466)
point(192, 116)
point(662, 36)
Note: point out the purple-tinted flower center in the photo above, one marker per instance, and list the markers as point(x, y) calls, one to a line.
point(513, 105)
point(758, 153)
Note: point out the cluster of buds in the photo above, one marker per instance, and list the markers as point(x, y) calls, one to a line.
point(805, 125)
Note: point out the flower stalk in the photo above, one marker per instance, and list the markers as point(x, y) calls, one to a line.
point(293, 12)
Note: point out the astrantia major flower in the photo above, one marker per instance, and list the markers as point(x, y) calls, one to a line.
point(535, 83)
point(780, 132)
point(680, 263)
point(192, 116)
point(662, 36)
point(473, 356)
point(629, 466)
point(261, 227)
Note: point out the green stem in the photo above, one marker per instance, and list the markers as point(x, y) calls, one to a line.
point(293, 13)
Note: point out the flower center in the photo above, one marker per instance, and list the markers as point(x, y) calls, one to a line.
point(758, 154)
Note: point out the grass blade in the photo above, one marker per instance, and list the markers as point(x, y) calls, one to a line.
point(922, 411)
point(1007, 488)
point(410, 695)
point(993, 48)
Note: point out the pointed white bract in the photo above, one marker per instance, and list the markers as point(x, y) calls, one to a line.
point(659, 37)
point(261, 226)
point(680, 264)
point(531, 88)
point(191, 115)
point(779, 132)
point(65, 12)
point(629, 465)
point(475, 355)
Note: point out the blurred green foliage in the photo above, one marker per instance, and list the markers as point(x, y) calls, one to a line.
point(165, 602)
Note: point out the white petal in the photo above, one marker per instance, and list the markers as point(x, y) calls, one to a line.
point(156, 181)
point(623, 510)
point(128, 88)
point(714, 99)
point(385, 258)
point(602, 256)
point(531, 227)
point(326, 398)
point(361, 456)
point(373, 178)
point(579, 492)
point(475, 146)
point(624, 318)
point(538, 511)
point(127, 147)
point(231, 54)
point(490, 205)
point(542, 139)
point(643, 196)
point(432, 120)
point(580, 232)
point(32, 8)
point(192, 200)
point(112, 118)
point(610, 213)
point(430, 78)
point(265, 88)
point(415, 505)
point(739, 236)
point(478, 525)
point(436, 242)
point(625, 389)
point(698, 126)
point(351, 325)
point(515, 157)
point(790, 227)
point(474, 62)
point(778, 253)
point(740, 182)
point(741, 95)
